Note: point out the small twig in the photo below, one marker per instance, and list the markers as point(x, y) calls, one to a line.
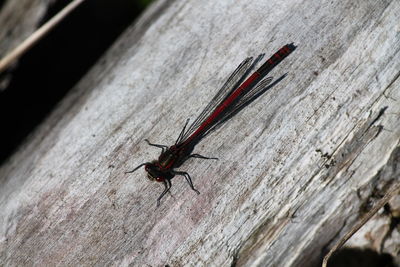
point(363, 221)
point(37, 35)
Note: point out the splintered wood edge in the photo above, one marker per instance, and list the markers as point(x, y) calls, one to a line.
point(391, 193)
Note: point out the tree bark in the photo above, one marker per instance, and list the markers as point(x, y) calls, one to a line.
point(296, 169)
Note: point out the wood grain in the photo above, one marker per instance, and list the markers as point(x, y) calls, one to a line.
point(295, 167)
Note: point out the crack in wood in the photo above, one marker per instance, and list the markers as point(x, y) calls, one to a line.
point(345, 155)
point(389, 174)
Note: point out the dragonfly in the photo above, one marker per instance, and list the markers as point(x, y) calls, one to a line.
point(236, 93)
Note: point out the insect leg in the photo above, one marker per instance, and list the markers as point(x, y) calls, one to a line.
point(198, 156)
point(163, 147)
point(167, 184)
point(138, 167)
point(188, 179)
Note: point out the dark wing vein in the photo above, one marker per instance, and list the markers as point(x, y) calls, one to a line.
point(246, 99)
point(234, 80)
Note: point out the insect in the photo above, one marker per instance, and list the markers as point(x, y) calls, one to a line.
point(236, 93)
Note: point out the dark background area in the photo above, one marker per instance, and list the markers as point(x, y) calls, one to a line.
point(56, 63)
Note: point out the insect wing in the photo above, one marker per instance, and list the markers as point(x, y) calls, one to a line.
point(234, 80)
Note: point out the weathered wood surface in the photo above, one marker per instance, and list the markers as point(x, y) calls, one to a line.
point(272, 199)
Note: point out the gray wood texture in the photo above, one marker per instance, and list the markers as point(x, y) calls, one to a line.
point(296, 167)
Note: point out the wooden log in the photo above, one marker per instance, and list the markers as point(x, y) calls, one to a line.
point(296, 167)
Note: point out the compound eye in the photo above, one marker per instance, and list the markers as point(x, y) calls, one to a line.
point(160, 179)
